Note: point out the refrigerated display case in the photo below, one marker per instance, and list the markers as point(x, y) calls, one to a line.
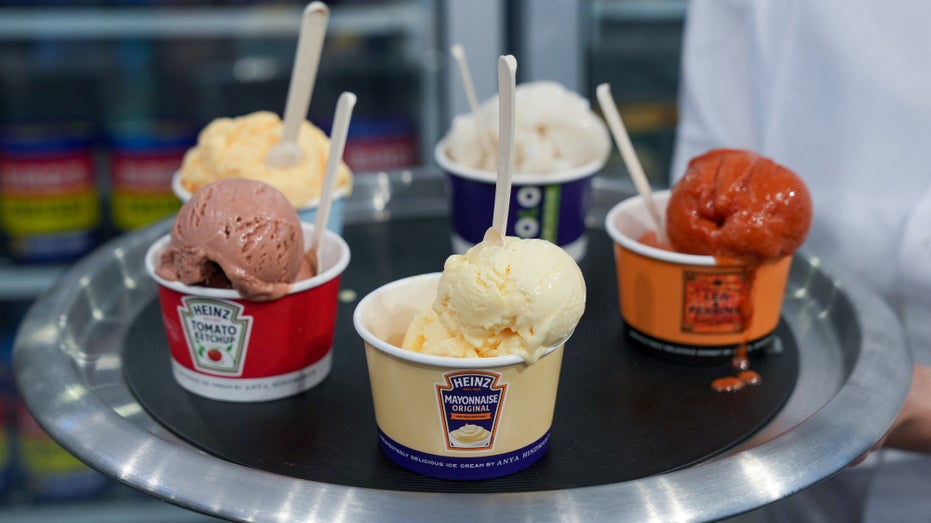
point(114, 91)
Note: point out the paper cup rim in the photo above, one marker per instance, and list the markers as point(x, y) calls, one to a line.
point(158, 246)
point(661, 198)
point(184, 195)
point(417, 357)
point(480, 175)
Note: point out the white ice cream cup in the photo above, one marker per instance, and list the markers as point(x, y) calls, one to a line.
point(224, 347)
point(446, 417)
point(552, 206)
point(308, 212)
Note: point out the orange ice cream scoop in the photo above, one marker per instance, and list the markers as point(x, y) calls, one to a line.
point(237, 233)
point(738, 205)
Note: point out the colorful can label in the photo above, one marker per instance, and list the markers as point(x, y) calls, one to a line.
point(381, 144)
point(49, 206)
point(142, 162)
point(51, 472)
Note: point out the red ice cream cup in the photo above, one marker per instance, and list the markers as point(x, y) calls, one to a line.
point(228, 348)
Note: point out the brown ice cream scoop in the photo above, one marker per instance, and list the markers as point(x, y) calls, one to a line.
point(237, 233)
point(739, 205)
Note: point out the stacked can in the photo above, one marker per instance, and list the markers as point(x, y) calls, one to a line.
point(143, 158)
point(49, 205)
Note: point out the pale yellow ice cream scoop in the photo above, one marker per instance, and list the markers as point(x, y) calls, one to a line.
point(237, 148)
point(518, 298)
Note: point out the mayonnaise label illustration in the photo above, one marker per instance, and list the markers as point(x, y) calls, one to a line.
point(217, 334)
point(470, 404)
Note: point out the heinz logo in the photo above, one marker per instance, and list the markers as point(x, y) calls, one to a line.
point(211, 309)
point(471, 381)
point(470, 404)
point(217, 334)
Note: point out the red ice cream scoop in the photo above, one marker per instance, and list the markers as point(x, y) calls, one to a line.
point(237, 233)
point(736, 204)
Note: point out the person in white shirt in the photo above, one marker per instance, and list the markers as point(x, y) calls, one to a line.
point(839, 92)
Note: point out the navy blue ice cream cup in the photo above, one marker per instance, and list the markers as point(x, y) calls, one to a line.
point(551, 206)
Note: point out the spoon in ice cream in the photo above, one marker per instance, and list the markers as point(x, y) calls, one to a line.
point(303, 74)
point(488, 147)
point(344, 106)
point(507, 73)
point(613, 117)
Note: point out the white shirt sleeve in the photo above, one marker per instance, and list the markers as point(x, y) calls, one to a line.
point(838, 91)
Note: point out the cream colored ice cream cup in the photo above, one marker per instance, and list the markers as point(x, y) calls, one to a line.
point(551, 206)
point(227, 348)
point(308, 212)
point(446, 417)
point(687, 306)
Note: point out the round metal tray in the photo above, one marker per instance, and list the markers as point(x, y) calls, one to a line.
point(853, 375)
point(621, 413)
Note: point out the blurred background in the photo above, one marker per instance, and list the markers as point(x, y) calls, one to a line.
point(99, 99)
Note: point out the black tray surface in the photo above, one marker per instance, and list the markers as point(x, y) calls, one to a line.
point(621, 414)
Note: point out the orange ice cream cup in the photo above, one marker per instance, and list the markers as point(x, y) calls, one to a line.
point(689, 306)
point(224, 347)
point(446, 417)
